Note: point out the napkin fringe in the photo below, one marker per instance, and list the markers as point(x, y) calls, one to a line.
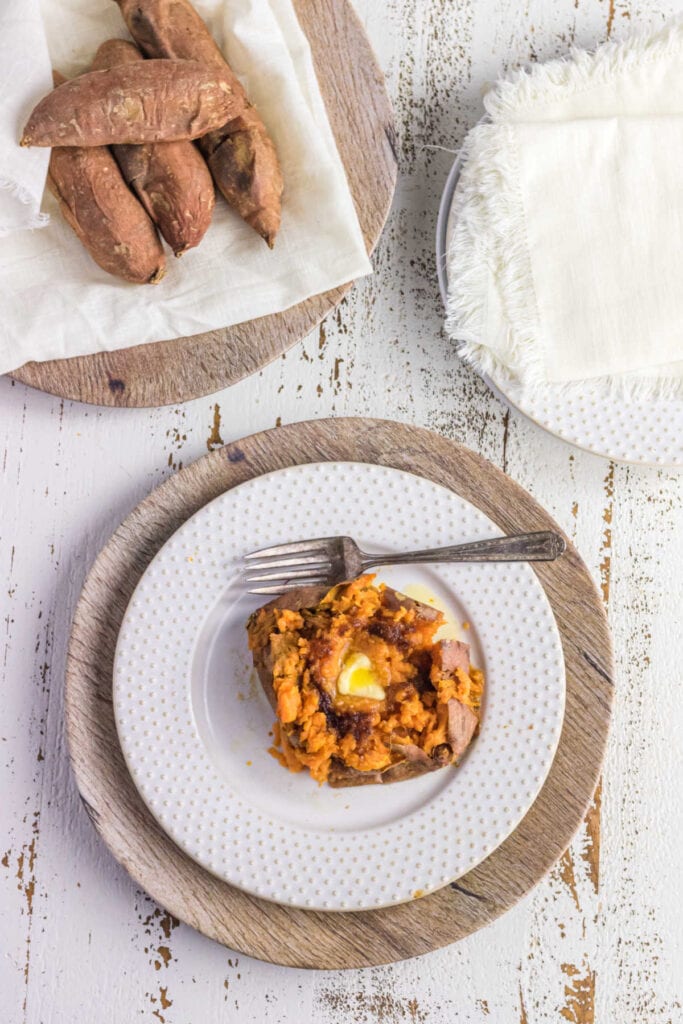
point(489, 243)
point(581, 70)
point(24, 196)
point(489, 240)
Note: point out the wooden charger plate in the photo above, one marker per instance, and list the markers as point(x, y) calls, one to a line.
point(167, 372)
point(299, 938)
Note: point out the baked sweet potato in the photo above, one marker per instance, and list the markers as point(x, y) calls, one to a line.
point(240, 153)
point(362, 691)
point(153, 101)
point(170, 179)
point(110, 222)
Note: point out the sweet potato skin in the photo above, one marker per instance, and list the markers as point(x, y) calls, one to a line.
point(112, 225)
point(171, 179)
point(416, 762)
point(150, 101)
point(245, 168)
point(240, 153)
point(303, 597)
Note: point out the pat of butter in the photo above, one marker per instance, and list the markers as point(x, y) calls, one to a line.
point(358, 679)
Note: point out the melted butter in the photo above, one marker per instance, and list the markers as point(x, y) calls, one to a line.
point(450, 629)
point(359, 679)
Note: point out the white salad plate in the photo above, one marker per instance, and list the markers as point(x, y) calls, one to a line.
point(195, 727)
point(649, 433)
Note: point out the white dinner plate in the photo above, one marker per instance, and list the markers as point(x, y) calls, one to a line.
point(650, 433)
point(194, 724)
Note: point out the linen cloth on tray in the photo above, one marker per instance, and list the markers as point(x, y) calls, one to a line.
point(56, 302)
point(24, 77)
point(564, 258)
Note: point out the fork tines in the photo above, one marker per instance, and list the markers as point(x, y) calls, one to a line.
point(301, 563)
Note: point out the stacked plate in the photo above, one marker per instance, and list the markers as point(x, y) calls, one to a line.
point(195, 727)
point(650, 433)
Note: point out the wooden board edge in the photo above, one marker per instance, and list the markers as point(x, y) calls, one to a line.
point(472, 888)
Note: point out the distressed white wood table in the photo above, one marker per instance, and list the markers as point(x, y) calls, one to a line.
point(601, 940)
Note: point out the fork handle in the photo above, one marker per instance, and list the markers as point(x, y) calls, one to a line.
point(543, 546)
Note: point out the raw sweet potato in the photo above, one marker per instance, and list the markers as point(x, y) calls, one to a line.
point(170, 179)
point(240, 154)
point(96, 202)
point(153, 101)
point(362, 691)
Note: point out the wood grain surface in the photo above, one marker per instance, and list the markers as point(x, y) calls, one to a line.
point(166, 372)
point(310, 939)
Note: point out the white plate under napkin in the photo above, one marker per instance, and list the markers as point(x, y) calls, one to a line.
point(561, 245)
point(640, 431)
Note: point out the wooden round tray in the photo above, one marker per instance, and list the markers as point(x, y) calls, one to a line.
point(167, 372)
point(256, 927)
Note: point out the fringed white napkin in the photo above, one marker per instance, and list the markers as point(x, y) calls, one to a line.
point(564, 259)
point(24, 77)
point(55, 302)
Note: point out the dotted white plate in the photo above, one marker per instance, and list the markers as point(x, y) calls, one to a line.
point(650, 433)
point(194, 724)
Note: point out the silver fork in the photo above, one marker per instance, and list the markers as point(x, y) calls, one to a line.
point(330, 560)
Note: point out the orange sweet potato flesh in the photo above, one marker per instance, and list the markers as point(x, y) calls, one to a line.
point(170, 179)
point(150, 101)
point(430, 712)
point(240, 153)
point(110, 222)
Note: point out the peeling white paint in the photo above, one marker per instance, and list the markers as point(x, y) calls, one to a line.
point(90, 947)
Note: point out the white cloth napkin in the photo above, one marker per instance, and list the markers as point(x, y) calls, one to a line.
point(565, 253)
point(24, 77)
point(55, 302)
